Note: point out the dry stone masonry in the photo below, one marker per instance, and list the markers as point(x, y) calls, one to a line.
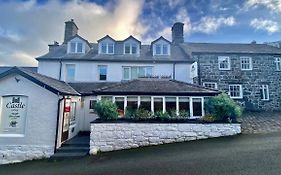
point(117, 136)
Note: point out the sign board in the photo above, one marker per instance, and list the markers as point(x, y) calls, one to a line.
point(194, 70)
point(13, 115)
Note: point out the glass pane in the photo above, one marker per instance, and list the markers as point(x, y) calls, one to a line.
point(126, 73)
point(132, 102)
point(134, 49)
point(109, 98)
point(103, 48)
point(171, 104)
point(158, 49)
point(149, 71)
point(165, 49)
point(119, 101)
point(145, 103)
point(79, 47)
point(102, 72)
point(70, 72)
point(141, 72)
point(110, 48)
point(134, 73)
point(72, 47)
point(127, 49)
point(197, 106)
point(158, 104)
point(72, 111)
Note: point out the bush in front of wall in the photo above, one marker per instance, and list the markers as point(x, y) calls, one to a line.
point(143, 114)
point(223, 108)
point(164, 116)
point(106, 110)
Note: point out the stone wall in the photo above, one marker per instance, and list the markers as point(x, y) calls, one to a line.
point(13, 153)
point(263, 73)
point(117, 136)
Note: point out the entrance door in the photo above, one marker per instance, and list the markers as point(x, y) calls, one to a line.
point(66, 120)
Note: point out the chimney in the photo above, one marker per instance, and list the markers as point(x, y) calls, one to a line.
point(52, 46)
point(177, 33)
point(70, 30)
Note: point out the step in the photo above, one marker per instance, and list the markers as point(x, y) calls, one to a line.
point(64, 155)
point(73, 149)
point(76, 144)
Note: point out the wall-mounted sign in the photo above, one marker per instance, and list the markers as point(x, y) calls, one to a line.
point(13, 115)
point(193, 70)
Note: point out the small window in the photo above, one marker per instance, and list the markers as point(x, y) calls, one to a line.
point(158, 49)
point(70, 72)
point(110, 48)
point(136, 72)
point(264, 92)
point(224, 63)
point(235, 91)
point(148, 72)
point(210, 85)
point(246, 63)
point(278, 64)
point(102, 73)
point(92, 105)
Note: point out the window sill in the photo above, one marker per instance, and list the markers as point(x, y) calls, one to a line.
point(11, 135)
point(225, 69)
point(237, 98)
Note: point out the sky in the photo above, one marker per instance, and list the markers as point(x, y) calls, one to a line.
point(28, 26)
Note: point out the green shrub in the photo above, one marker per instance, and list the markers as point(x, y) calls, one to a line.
point(162, 115)
point(142, 114)
point(208, 118)
point(223, 108)
point(183, 114)
point(106, 110)
point(130, 113)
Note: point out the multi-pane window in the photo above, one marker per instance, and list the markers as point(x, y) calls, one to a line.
point(264, 92)
point(235, 91)
point(161, 49)
point(246, 63)
point(76, 47)
point(92, 105)
point(70, 72)
point(131, 48)
point(278, 64)
point(135, 72)
point(102, 72)
point(72, 112)
point(224, 63)
point(210, 85)
point(107, 48)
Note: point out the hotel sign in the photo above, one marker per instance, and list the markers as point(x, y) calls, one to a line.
point(13, 115)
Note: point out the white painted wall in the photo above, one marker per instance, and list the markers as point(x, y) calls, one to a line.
point(87, 71)
point(40, 129)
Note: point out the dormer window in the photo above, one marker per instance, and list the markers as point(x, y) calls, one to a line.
point(107, 48)
point(131, 48)
point(76, 47)
point(161, 49)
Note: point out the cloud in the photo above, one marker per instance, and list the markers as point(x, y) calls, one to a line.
point(210, 25)
point(28, 27)
point(274, 5)
point(267, 25)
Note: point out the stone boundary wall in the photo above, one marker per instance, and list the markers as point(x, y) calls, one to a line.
point(117, 136)
point(13, 153)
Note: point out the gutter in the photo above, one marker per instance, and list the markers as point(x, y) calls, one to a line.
point(57, 126)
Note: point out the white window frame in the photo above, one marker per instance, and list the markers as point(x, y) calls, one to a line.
point(191, 107)
point(138, 67)
point(72, 122)
point(240, 91)
point(161, 49)
point(107, 46)
point(131, 48)
point(205, 84)
point(76, 47)
point(163, 103)
point(278, 63)
point(228, 60)
point(99, 67)
point(125, 102)
point(250, 63)
point(265, 90)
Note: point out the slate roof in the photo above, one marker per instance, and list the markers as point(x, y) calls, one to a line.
point(60, 53)
point(236, 48)
point(144, 87)
point(5, 68)
point(48, 83)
